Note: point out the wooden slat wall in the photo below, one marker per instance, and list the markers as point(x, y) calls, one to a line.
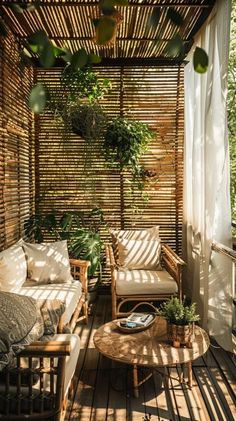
point(152, 95)
point(16, 143)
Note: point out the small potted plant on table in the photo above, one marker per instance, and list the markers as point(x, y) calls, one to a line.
point(180, 319)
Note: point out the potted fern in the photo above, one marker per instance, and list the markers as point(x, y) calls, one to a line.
point(180, 317)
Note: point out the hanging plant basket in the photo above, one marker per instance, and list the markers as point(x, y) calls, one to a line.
point(88, 121)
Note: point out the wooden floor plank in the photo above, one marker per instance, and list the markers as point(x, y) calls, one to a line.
point(150, 397)
point(194, 401)
point(116, 410)
point(83, 402)
point(181, 409)
point(104, 387)
point(209, 394)
point(136, 407)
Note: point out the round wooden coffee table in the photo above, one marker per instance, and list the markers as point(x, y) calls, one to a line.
point(149, 348)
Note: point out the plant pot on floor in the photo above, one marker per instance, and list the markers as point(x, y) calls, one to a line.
point(180, 334)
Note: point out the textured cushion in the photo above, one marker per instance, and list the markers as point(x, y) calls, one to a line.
point(13, 268)
point(20, 324)
point(131, 234)
point(136, 282)
point(69, 293)
point(139, 254)
point(48, 263)
point(51, 311)
point(17, 317)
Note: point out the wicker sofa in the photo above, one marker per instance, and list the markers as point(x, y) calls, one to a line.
point(38, 384)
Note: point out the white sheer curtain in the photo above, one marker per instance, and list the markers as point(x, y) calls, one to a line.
point(207, 215)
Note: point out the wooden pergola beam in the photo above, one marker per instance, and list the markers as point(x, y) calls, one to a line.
point(79, 38)
point(185, 4)
point(124, 61)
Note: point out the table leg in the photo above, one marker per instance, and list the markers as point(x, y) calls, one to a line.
point(181, 374)
point(190, 374)
point(135, 381)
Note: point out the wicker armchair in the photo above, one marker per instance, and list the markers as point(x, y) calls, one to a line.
point(170, 277)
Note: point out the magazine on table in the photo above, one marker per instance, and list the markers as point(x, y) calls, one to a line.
point(138, 320)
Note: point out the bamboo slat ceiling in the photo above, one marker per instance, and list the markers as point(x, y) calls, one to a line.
point(69, 24)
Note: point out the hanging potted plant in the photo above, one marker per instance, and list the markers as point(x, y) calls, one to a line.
point(180, 318)
point(125, 142)
point(88, 121)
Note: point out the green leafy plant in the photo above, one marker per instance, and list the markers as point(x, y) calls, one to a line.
point(80, 229)
point(177, 312)
point(125, 142)
point(83, 83)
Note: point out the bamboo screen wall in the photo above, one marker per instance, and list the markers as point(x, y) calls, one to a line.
point(65, 182)
point(16, 143)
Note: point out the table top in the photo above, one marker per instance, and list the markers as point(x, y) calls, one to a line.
point(149, 347)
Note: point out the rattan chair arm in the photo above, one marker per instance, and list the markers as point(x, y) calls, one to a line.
point(110, 258)
point(82, 273)
point(46, 349)
point(171, 255)
point(80, 263)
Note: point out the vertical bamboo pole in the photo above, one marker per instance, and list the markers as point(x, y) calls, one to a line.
point(37, 171)
point(177, 245)
point(122, 202)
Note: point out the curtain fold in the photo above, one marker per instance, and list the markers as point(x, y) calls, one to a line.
point(207, 216)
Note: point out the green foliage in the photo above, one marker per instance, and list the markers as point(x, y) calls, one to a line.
point(125, 142)
point(105, 29)
point(200, 60)
point(83, 83)
point(154, 18)
point(231, 107)
point(175, 47)
point(174, 16)
point(178, 313)
point(38, 98)
point(80, 229)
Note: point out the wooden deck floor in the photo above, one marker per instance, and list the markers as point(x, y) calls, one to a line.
point(103, 388)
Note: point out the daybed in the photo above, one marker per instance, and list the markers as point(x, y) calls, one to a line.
point(36, 382)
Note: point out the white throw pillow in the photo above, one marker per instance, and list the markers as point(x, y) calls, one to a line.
point(13, 268)
point(48, 262)
point(139, 254)
point(131, 234)
point(139, 234)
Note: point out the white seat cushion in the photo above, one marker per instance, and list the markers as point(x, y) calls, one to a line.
point(70, 293)
point(144, 282)
point(71, 360)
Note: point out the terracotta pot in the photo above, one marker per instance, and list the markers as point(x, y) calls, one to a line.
point(180, 335)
